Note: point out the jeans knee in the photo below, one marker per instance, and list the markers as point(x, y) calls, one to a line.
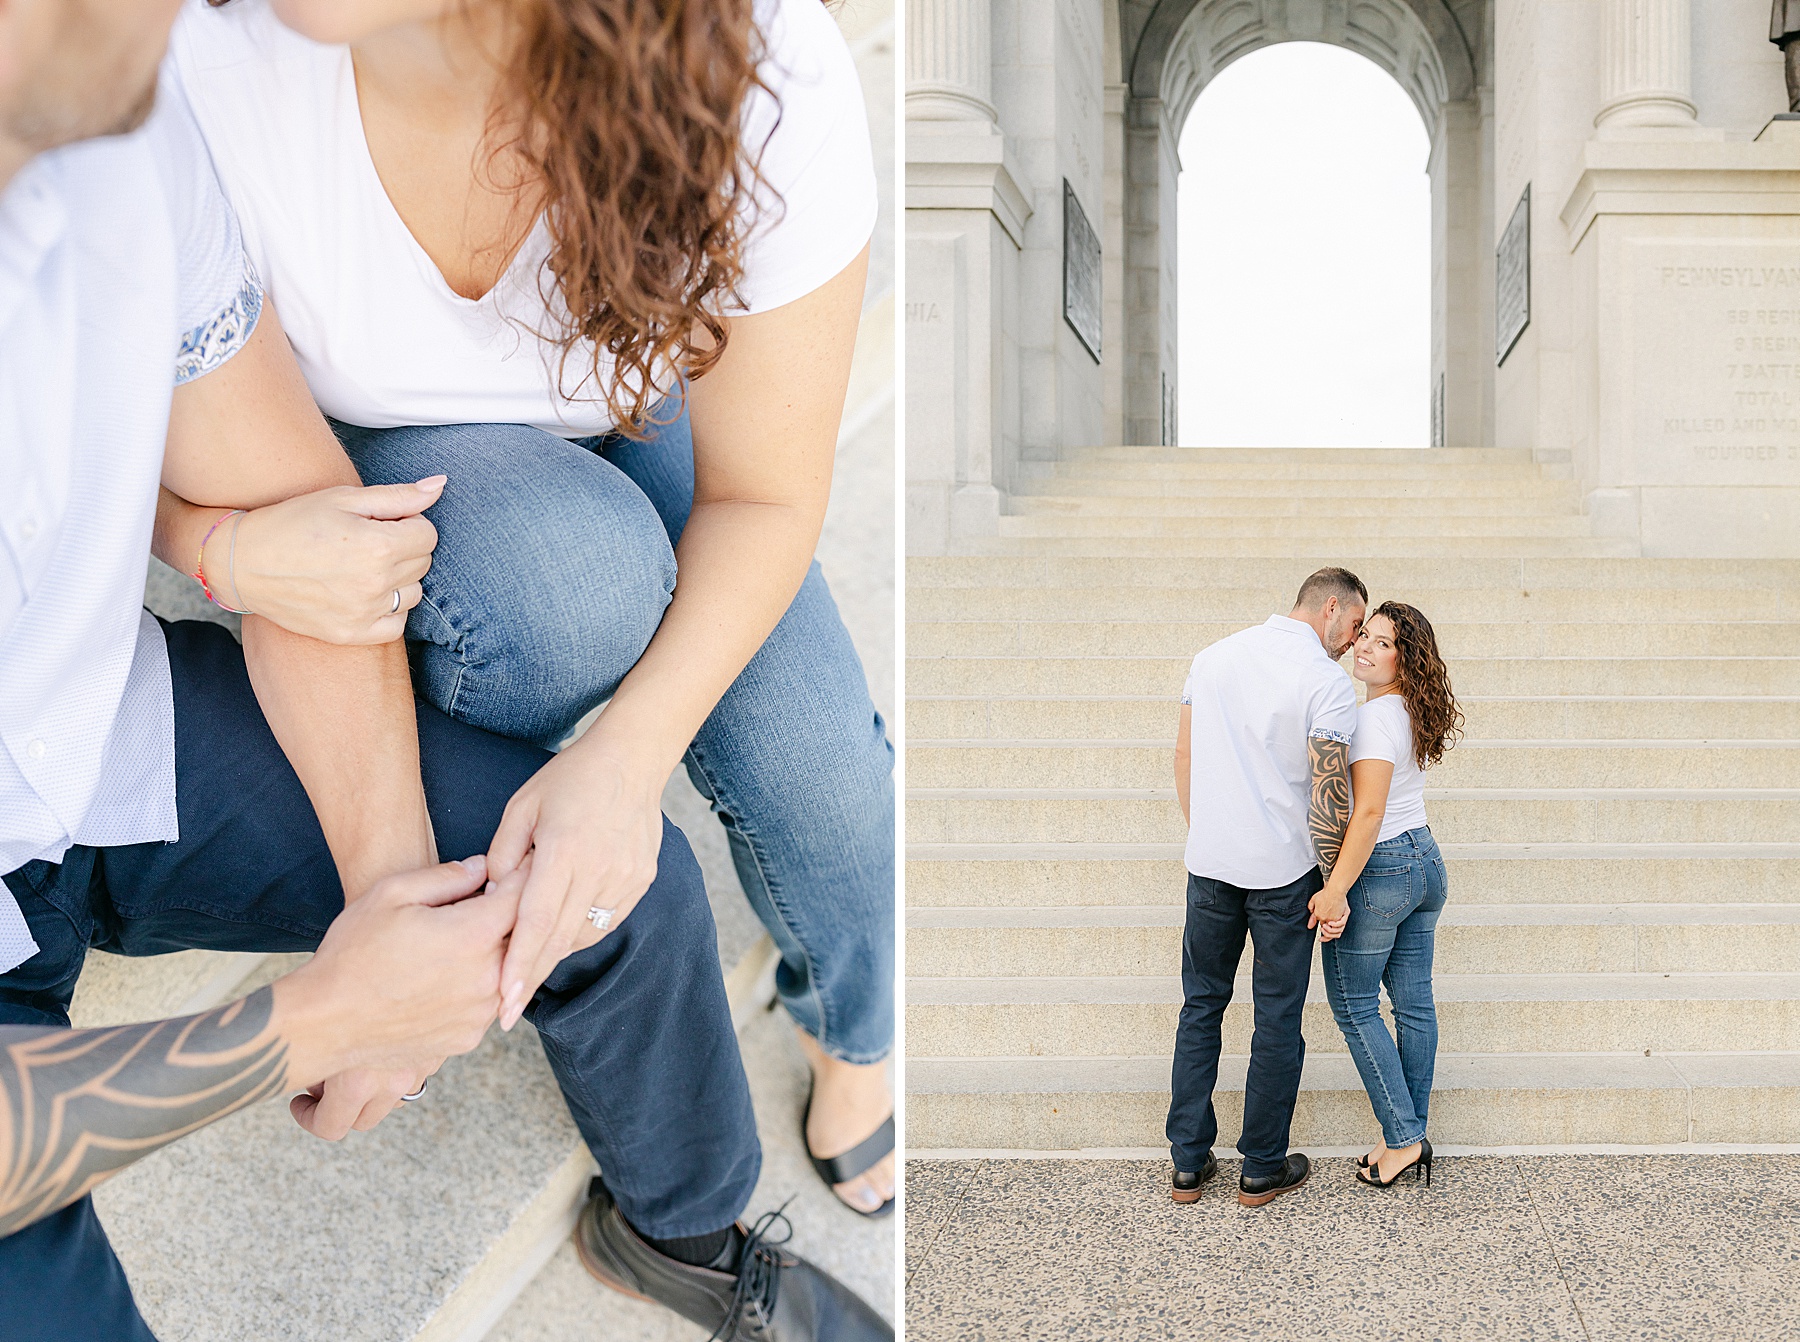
point(675, 913)
point(551, 577)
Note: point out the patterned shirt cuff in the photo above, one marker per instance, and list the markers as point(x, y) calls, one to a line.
point(1324, 734)
point(213, 342)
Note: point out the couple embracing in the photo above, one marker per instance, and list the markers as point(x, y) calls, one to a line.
point(1306, 812)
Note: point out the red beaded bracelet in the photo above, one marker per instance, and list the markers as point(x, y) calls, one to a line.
point(200, 562)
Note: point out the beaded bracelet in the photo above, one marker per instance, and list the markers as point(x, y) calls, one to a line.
point(200, 562)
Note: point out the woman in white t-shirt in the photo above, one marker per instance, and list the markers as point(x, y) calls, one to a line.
point(600, 263)
point(1392, 875)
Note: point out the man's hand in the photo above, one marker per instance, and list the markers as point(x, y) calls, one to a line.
point(406, 976)
point(326, 565)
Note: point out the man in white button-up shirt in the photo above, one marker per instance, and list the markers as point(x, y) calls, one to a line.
point(161, 788)
point(1262, 773)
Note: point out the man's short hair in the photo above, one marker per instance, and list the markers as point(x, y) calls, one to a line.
point(1330, 582)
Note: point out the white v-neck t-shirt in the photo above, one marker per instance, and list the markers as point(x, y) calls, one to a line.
point(381, 337)
point(1384, 732)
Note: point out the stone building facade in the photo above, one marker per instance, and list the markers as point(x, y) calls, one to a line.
point(1615, 243)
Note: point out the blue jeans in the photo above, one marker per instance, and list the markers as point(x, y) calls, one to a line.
point(1394, 908)
point(636, 1027)
point(553, 568)
point(1218, 917)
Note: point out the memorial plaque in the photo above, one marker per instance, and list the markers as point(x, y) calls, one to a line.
point(1512, 280)
point(1081, 273)
point(1712, 338)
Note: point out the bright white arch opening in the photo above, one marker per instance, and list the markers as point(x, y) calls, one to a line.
point(1304, 256)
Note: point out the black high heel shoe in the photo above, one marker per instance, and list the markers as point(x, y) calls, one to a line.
point(1421, 1163)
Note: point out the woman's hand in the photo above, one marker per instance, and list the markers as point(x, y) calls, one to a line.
point(589, 827)
point(327, 564)
point(1329, 911)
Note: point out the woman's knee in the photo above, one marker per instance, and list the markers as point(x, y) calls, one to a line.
point(551, 574)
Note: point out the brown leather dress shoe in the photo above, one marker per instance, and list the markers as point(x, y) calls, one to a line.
point(768, 1295)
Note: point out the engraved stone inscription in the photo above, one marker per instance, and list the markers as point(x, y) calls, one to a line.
point(1716, 362)
point(1512, 280)
point(1081, 273)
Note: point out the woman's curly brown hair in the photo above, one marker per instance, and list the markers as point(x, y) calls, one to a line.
point(1423, 682)
point(632, 125)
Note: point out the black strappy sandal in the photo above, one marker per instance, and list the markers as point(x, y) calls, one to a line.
point(859, 1159)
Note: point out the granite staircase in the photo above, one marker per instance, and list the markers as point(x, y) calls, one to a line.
point(1619, 964)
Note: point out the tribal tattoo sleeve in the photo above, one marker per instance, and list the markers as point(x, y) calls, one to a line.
point(77, 1106)
point(1328, 809)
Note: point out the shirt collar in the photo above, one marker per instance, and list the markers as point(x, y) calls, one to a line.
point(32, 220)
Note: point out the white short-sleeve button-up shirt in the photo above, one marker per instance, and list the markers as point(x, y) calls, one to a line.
point(121, 274)
point(1257, 698)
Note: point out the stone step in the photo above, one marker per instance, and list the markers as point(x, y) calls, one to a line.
point(1483, 1100)
point(1472, 763)
point(1244, 608)
point(1290, 510)
point(1563, 528)
point(1458, 815)
point(1299, 467)
point(1085, 875)
point(1615, 676)
point(1456, 639)
point(1263, 581)
point(1472, 938)
point(1346, 459)
point(1116, 1017)
point(1313, 492)
point(1670, 717)
point(1279, 543)
point(478, 1186)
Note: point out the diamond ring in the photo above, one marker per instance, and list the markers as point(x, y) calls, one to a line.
point(599, 917)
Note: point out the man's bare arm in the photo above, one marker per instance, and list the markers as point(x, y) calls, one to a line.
point(414, 966)
point(78, 1106)
point(243, 436)
point(1328, 808)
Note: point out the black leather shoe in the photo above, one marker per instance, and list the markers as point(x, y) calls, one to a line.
point(1293, 1172)
point(768, 1295)
point(1186, 1187)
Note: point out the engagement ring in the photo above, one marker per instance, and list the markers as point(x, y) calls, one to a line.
point(599, 917)
point(408, 1099)
point(396, 609)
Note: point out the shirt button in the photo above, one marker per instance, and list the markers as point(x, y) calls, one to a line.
point(35, 750)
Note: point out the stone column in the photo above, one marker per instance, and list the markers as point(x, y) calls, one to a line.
point(949, 61)
point(1646, 64)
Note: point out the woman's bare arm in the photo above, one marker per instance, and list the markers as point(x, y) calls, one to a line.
point(246, 435)
point(765, 423)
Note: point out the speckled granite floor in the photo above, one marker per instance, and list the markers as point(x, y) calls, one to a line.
point(1587, 1248)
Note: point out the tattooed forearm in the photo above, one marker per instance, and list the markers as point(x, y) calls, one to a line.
point(1328, 810)
point(77, 1106)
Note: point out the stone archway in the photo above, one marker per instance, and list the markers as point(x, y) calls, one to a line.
point(1171, 49)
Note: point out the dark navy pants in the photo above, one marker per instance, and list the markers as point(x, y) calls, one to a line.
point(636, 1027)
point(1218, 916)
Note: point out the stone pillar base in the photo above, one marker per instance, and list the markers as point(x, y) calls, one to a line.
point(1687, 341)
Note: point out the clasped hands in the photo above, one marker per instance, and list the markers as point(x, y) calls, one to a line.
point(1329, 911)
point(584, 832)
